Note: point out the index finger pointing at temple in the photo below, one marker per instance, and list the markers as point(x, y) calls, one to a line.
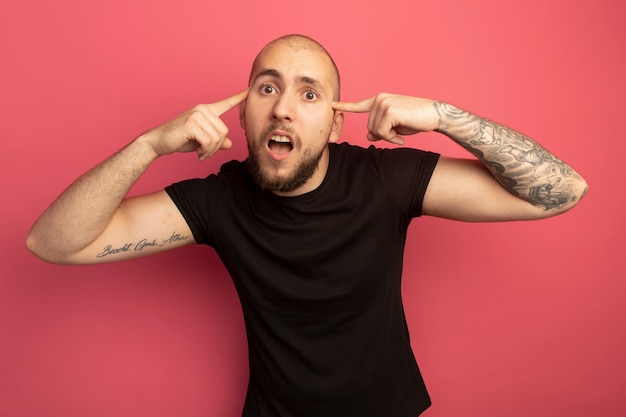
point(223, 106)
point(362, 106)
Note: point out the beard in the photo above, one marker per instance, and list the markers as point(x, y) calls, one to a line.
point(305, 168)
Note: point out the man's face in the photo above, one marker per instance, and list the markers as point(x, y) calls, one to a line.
point(288, 118)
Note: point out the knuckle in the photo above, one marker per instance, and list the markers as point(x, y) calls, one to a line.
point(193, 118)
point(222, 129)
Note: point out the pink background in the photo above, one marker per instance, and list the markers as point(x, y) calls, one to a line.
point(510, 319)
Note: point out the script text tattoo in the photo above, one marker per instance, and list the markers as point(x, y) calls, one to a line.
point(141, 245)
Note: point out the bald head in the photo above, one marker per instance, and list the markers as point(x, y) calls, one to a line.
point(299, 42)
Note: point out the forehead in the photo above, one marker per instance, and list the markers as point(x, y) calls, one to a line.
point(293, 61)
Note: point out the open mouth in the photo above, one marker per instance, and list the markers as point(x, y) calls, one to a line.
point(280, 144)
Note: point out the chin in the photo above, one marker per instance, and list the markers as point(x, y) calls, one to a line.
point(277, 183)
point(278, 180)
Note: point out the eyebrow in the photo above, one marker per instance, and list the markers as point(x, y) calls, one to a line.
point(270, 72)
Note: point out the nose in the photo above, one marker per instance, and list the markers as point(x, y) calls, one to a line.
point(284, 108)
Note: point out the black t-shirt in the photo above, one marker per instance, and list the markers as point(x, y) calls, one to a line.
point(318, 276)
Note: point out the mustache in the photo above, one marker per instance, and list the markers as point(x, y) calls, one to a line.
point(284, 128)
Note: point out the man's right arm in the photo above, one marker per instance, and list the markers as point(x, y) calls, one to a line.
point(93, 222)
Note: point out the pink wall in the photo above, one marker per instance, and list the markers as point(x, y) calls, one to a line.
point(507, 319)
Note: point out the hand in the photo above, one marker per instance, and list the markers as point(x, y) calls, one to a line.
point(199, 129)
point(394, 115)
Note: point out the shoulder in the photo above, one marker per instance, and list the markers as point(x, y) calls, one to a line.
point(392, 157)
point(230, 175)
point(345, 148)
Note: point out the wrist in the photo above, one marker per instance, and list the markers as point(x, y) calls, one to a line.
point(143, 146)
point(450, 118)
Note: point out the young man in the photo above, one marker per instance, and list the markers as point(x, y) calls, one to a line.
point(312, 232)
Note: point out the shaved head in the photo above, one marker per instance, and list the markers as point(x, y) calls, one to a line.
point(301, 42)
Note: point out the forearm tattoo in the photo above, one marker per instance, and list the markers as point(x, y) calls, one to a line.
point(521, 165)
point(141, 245)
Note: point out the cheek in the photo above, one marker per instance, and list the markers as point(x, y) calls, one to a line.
point(252, 115)
point(322, 120)
point(254, 108)
point(326, 124)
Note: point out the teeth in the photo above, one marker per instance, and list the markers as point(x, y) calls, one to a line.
point(278, 138)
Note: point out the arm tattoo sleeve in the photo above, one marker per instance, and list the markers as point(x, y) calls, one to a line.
point(522, 166)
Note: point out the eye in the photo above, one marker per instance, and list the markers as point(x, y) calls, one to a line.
point(267, 89)
point(310, 95)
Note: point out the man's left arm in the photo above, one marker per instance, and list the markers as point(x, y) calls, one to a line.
point(516, 178)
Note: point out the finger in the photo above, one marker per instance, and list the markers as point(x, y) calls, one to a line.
point(362, 106)
point(382, 124)
point(223, 106)
point(227, 144)
point(202, 140)
point(204, 154)
point(213, 144)
point(208, 132)
point(398, 140)
point(378, 124)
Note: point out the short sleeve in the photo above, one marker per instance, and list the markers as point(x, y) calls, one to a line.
point(192, 198)
point(406, 174)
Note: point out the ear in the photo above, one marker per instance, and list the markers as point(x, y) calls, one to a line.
point(335, 133)
point(242, 114)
